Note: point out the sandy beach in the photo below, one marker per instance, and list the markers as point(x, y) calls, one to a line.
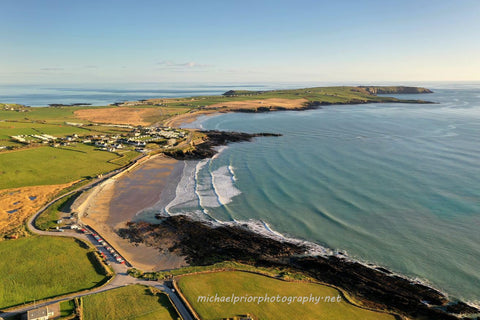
point(109, 206)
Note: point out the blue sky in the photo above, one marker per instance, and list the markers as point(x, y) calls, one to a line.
point(66, 41)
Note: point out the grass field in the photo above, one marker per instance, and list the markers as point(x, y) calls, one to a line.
point(53, 115)
point(48, 165)
point(131, 302)
point(36, 268)
point(248, 284)
point(67, 308)
point(47, 114)
point(10, 128)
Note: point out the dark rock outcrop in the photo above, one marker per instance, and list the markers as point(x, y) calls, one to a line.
point(203, 244)
point(214, 138)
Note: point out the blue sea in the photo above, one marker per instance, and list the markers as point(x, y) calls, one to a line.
point(397, 185)
point(103, 94)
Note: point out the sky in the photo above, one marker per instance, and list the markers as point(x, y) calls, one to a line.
point(106, 41)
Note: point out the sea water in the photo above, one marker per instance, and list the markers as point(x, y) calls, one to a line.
point(37, 95)
point(397, 185)
point(392, 184)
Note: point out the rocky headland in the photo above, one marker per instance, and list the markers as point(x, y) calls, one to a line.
point(203, 243)
point(211, 140)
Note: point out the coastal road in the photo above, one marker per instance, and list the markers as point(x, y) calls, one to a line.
point(120, 278)
point(119, 281)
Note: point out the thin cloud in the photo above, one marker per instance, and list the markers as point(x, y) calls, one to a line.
point(167, 64)
point(52, 69)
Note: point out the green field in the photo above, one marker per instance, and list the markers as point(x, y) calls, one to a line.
point(13, 128)
point(131, 302)
point(48, 114)
point(67, 308)
point(48, 165)
point(36, 268)
point(248, 284)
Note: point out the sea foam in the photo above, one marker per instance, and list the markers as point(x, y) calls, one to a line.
point(223, 185)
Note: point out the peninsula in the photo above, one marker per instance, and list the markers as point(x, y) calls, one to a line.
point(98, 152)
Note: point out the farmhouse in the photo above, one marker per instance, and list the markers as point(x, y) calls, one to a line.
point(38, 314)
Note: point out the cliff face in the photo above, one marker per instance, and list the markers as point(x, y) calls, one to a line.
point(204, 244)
point(374, 90)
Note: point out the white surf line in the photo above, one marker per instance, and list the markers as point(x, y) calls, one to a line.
point(198, 167)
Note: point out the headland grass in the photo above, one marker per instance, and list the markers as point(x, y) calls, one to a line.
point(247, 284)
point(40, 267)
point(130, 302)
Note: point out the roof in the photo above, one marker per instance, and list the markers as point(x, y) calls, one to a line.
point(37, 313)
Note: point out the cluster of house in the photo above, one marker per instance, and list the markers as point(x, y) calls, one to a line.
point(44, 138)
point(138, 138)
point(13, 107)
point(165, 132)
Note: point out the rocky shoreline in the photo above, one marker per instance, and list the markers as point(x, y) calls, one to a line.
point(214, 138)
point(203, 243)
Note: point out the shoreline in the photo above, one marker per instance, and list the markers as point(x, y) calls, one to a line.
point(414, 281)
point(192, 117)
point(110, 206)
point(205, 243)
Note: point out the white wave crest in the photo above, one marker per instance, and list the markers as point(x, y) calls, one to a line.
point(234, 177)
point(262, 228)
point(207, 197)
point(223, 185)
point(185, 191)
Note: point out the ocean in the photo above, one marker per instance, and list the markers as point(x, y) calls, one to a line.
point(103, 94)
point(396, 185)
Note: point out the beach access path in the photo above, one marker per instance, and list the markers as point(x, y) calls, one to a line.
point(120, 278)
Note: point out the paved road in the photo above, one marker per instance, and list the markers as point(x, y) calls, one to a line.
point(120, 279)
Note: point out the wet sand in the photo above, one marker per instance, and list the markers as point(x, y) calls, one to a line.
point(108, 207)
point(139, 189)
